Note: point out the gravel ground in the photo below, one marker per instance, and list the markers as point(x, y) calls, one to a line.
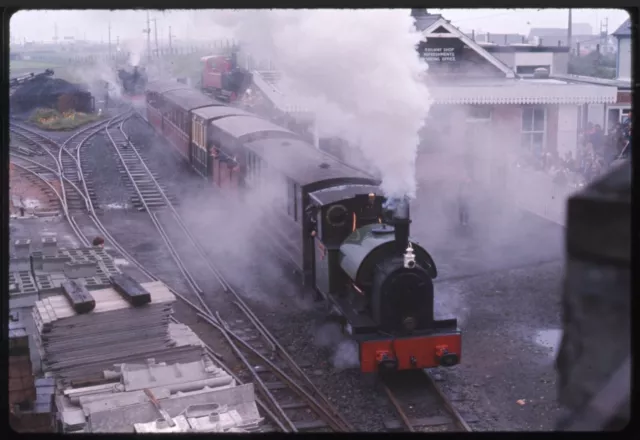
point(507, 379)
point(503, 323)
point(99, 161)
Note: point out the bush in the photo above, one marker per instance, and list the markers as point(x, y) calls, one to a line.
point(50, 119)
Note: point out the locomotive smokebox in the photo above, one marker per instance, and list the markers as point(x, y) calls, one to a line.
point(400, 219)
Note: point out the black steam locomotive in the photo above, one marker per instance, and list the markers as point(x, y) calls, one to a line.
point(328, 219)
point(133, 83)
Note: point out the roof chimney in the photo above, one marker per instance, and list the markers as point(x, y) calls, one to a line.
point(415, 13)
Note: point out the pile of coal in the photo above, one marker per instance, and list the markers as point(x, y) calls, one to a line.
point(55, 93)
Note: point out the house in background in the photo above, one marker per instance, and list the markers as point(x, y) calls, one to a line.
point(470, 83)
point(582, 34)
point(623, 60)
point(480, 103)
point(608, 114)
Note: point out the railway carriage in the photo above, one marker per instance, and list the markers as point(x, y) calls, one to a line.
point(299, 170)
point(205, 156)
point(229, 136)
point(176, 127)
point(155, 100)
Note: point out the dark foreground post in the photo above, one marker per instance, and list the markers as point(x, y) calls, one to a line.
point(593, 363)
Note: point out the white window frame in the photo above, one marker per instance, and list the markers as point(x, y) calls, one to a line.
point(544, 130)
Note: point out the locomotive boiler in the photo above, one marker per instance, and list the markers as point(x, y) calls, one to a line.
point(380, 284)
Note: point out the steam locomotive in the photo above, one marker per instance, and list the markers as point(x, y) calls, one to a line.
point(134, 82)
point(330, 220)
point(223, 78)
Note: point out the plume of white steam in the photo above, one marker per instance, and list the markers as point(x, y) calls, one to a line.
point(360, 71)
point(136, 48)
point(96, 75)
point(345, 353)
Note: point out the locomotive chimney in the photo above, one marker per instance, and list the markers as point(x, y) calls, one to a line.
point(401, 221)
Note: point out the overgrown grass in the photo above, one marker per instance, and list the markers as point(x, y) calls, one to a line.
point(50, 119)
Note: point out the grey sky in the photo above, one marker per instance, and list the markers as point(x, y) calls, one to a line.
point(38, 25)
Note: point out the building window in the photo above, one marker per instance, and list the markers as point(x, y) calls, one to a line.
point(479, 113)
point(534, 126)
point(530, 70)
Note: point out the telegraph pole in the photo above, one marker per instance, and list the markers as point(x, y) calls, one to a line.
point(155, 31)
point(170, 37)
point(55, 33)
point(109, 28)
point(147, 31)
point(569, 31)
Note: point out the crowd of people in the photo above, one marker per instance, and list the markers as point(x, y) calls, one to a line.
point(596, 152)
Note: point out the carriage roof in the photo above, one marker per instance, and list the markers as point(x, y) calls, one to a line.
point(306, 164)
point(239, 126)
point(189, 99)
point(219, 111)
point(165, 86)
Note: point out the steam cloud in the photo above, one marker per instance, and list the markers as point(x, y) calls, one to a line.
point(360, 72)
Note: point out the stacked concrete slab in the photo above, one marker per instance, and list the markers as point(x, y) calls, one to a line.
point(197, 395)
point(38, 273)
point(79, 347)
point(30, 401)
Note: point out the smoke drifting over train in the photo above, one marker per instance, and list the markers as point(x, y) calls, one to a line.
point(358, 69)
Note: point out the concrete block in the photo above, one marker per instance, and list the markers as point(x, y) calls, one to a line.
point(54, 263)
point(22, 248)
point(82, 269)
point(23, 299)
point(36, 260)
point(49, 246)
point(19, 264)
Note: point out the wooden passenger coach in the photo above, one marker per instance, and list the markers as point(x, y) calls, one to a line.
point(155, 100)
point(177, 119)
point(202, 153)
point(236, 149)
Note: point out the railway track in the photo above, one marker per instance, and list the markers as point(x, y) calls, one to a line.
point(255, 342)
point(287, 396)
point(145, 191)
point(293, 400)
point(421, 405)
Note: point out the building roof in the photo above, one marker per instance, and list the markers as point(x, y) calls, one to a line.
point(423, 21)
point(576, 29)
point(497, 38)
point(451, 31)
point(619, 83)
point(624, 30)
point(305, 164)
point(520, 91)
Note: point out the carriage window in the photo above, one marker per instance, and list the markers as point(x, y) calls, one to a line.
point(291, 198)
point(297, 193)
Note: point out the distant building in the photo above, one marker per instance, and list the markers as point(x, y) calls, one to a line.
point(526, 58)
point(480, 102)
point(623, 61)
point(582, 34)
point(501, 39)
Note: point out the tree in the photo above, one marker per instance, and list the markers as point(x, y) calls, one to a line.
point(593, 64)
